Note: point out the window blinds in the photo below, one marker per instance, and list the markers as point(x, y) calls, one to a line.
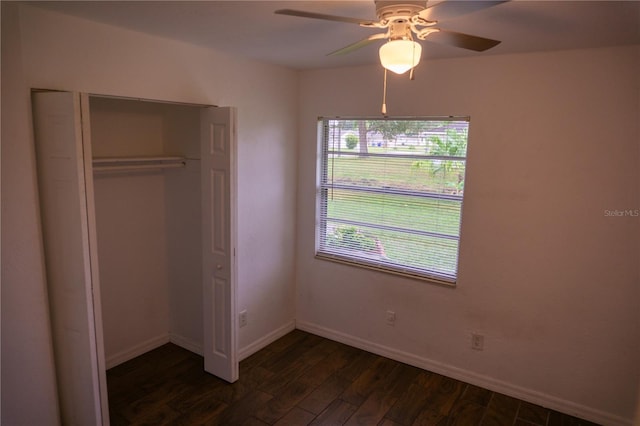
point(390, 194)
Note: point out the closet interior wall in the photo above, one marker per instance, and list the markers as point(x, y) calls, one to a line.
point(148, 226)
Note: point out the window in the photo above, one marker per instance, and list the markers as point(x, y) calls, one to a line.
point(390, 194)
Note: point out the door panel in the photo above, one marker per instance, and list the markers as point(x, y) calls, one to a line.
point(218, 227)
point(71, 271)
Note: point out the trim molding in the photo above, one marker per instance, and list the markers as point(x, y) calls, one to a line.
point(195, 347)
point(137, 350)
point(186, 343)
point(254, 347)
point(467, 376)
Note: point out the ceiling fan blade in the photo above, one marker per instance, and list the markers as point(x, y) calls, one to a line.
point(357, 45)
point(465, 41)
point(453, 8)
point(303, 14)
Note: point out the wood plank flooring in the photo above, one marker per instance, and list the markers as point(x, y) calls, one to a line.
point(303, 379)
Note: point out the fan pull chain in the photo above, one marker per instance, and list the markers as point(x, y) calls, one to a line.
point(413, 63)
point(384, 94)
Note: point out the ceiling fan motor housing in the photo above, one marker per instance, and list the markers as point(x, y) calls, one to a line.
point(392, 10)
point(399, 30)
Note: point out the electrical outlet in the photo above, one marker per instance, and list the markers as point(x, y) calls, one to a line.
point(477, 341)
point(391, 318)
point(243, 318)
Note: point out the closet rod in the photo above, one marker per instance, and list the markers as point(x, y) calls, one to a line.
point(133, 168)
point(111, 160)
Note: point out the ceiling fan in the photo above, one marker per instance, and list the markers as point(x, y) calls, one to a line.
point(404, 19)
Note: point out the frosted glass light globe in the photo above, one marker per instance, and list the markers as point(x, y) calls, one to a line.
point(400, 56)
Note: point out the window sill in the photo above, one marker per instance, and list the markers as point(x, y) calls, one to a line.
point(406, 274)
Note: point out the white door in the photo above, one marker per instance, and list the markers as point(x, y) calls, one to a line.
point(66, 201)
point(218, 165)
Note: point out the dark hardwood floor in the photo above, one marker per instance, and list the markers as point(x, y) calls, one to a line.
point(302, 379)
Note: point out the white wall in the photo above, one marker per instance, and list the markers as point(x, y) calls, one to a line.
point(133, 262)
point(27, 373)
point(551, 282)
point(49, 50)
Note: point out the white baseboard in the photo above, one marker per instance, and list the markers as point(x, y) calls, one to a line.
point(137, 350)
point(195, 347)
point(535, 397)
point(243, 353)
point(186, 343)
point(254, 347)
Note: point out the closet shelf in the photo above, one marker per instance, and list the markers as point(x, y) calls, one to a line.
point(131, 164)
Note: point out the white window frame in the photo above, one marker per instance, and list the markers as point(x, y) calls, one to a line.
point(322, 190)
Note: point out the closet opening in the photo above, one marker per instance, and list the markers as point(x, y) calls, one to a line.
point(139, 198)
point(146, 176)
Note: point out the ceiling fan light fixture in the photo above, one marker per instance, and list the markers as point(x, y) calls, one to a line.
point(399, 56)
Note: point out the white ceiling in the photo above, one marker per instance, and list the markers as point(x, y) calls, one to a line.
point(251, 29)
